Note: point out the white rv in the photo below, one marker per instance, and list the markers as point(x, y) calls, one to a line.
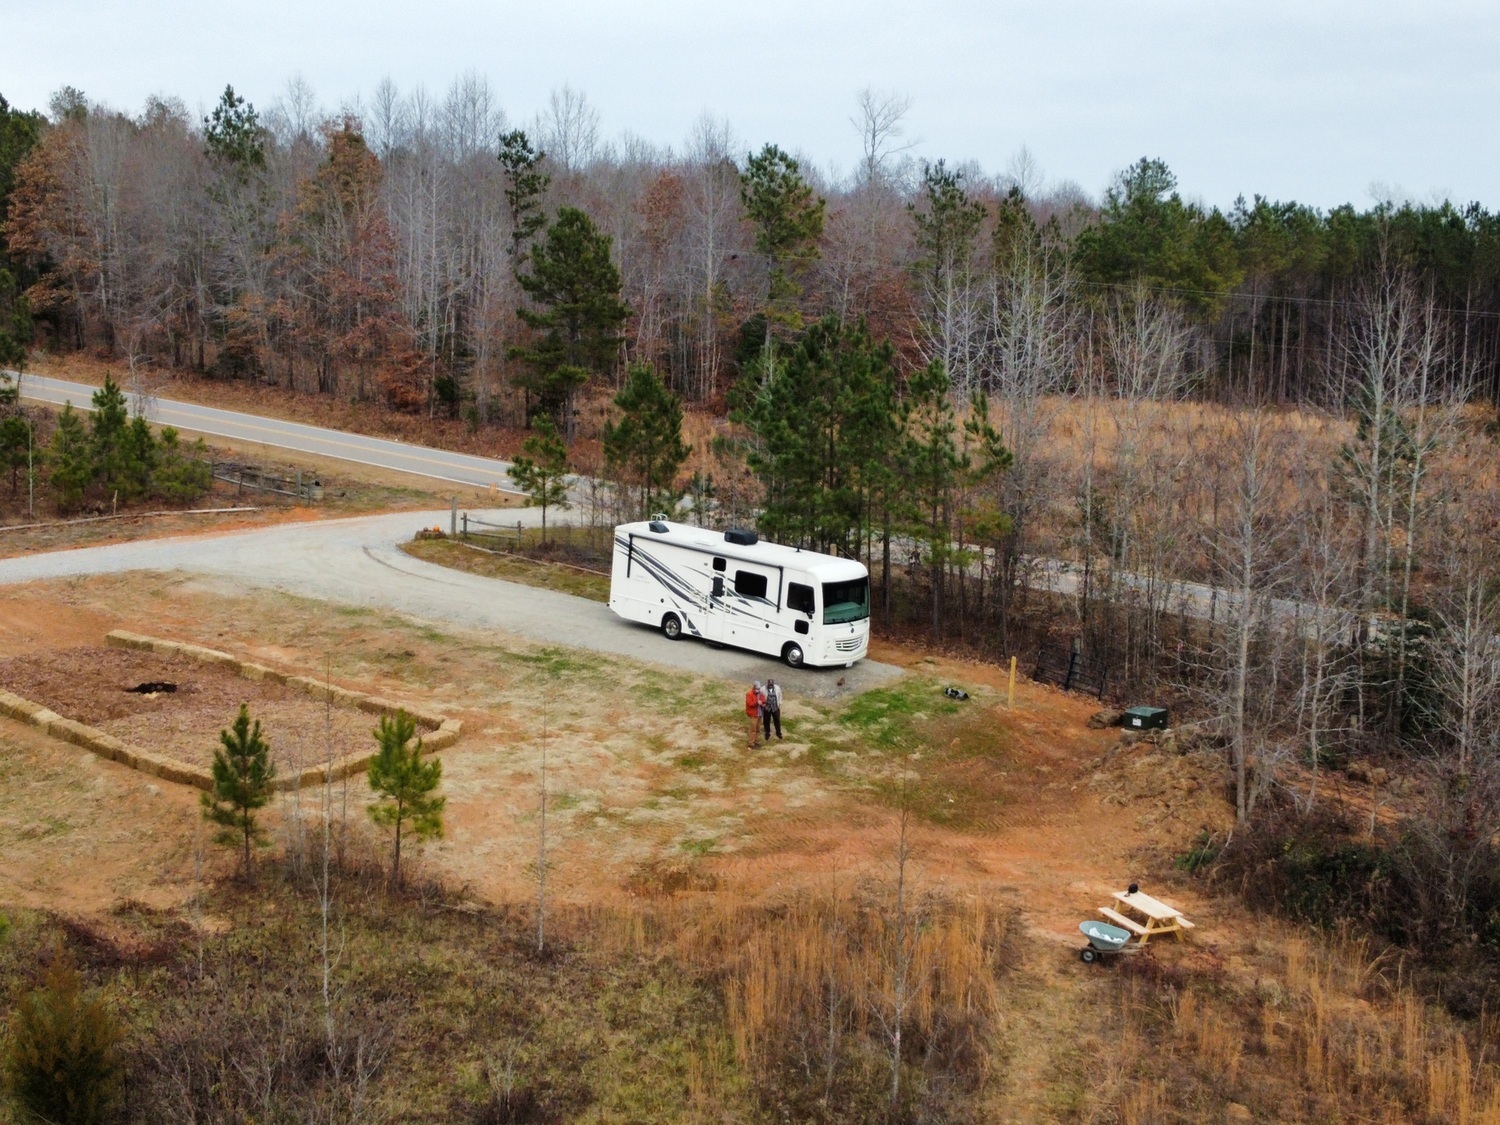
point(802, 606)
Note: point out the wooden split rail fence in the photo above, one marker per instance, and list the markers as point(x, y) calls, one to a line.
point(253, 477)
point(483, 532)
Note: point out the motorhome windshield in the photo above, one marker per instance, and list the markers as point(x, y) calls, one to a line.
point(846, 601)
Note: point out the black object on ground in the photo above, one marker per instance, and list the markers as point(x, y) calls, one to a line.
point(955, 693)
point(152, 687)
point(1145, 718)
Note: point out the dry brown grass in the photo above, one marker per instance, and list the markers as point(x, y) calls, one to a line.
point(810, 988)
point(1328, 1032)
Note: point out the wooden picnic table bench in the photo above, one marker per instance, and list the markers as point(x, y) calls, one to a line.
point(1160, 918)
point(1121, 920)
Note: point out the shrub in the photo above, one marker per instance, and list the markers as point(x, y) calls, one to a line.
point(182, 472)
point(62, 1063)
point(1431, 884)
point(1309, 867)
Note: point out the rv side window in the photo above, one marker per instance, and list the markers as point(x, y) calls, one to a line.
point(719, 565)
point(799, 598)
point(749, 585)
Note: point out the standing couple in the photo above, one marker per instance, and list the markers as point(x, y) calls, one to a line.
point(763, 707)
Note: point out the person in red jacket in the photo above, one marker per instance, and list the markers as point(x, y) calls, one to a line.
point(755, 698)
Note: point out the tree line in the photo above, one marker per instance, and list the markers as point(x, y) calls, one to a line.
point(110, 458)
point(424, 252)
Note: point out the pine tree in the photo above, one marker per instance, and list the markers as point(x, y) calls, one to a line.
point(645, 448)
point(124, 450)
point(541, 469)
point(788, 218)
point(16, 437)
point(15, 327)
point(578, 314)
point(63, 1061)
point(825, 427)
point(181, 473)
point(242, 774)
point(934, 462)
point(139, 462)
point(525, 185)
point(948, 221)
point(233, 133)
point(71, 460)
point(1147, 232)
point(404, 784)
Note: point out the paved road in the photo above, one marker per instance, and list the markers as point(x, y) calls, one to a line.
point(356, 562)
point(460, 468)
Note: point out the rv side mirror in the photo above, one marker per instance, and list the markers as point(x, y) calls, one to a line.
point(718, 586)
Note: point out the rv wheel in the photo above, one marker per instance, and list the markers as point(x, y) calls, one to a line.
point(671, 625)
point(792, 654)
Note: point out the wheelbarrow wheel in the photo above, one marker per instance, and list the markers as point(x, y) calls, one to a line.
point(1088, 955)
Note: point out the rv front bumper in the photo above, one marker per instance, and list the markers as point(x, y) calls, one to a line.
point(847, 645)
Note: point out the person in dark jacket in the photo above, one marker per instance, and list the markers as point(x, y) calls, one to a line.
point(770, 710)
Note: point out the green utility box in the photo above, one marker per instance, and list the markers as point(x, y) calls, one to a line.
point(1145, 718)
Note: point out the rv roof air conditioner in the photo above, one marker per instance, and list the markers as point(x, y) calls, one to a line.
point(740, 536)
point(658, 526)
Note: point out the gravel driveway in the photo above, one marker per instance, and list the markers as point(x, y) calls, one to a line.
point(356, 562)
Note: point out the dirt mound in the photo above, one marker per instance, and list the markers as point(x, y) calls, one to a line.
point(1171, 794)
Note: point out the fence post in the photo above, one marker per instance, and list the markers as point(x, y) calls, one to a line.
point(453, 518)
point(1072, 667)
point(299, 486)
point(1010, 695)
point(466, 525)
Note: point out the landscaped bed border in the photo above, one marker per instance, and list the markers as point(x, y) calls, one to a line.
point(443, 732)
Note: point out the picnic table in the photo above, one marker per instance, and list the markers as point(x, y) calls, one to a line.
point(1159, 917)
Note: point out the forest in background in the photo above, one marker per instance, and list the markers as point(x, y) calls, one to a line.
point(377, 252)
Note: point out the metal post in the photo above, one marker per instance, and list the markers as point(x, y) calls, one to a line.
point(1010, 694)
point(466, 525)
point(299, 486)
point(453, 518)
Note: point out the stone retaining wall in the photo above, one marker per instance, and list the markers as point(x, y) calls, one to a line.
point(443, 732)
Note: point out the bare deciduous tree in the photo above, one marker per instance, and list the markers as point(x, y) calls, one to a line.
point(878, 117)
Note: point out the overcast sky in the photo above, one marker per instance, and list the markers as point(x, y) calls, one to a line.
point(1316, 100)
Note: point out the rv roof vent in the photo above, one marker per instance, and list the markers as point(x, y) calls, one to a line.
point(743, 536)
point(658, 526)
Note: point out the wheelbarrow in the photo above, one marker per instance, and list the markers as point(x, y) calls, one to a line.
point(1104, 941)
